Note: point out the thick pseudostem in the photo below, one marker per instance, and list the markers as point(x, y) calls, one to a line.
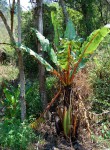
point(66, 94)
point(70, 98)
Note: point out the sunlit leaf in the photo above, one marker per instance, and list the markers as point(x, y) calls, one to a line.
point(93, 41)
point(8, 94)
point(89, 46)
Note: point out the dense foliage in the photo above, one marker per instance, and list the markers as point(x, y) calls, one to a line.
point(100, 77)
point(15, 135)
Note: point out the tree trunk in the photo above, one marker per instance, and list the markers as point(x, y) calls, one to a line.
point(21, 69)
point(39, 25)
point(12, 14)
point(7, 27)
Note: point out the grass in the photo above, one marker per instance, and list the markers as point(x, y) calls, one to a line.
point(8, 72)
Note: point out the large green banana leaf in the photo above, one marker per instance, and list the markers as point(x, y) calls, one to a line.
point(64, 58)
point(46, 46)
point(89, 46)
point(93, 41)
point(39, 58)
point(56, 27)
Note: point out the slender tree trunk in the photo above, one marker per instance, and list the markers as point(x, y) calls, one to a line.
point(7, 27)
point(21, 69)
point(39, 25)
point(12, 14)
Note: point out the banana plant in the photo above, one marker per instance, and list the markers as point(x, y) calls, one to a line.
point(72, 55)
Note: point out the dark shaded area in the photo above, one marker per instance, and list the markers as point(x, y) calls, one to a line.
point(3, 57)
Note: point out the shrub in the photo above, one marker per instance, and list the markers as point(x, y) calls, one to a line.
point(15, 135)
point(105, 130)
point(11, 102)
point(100, 79)
point(34, 104)
point(51, 83)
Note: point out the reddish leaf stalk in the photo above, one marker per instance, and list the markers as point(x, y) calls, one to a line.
point(50, 104)
point(58, 75)
point(69, 61)
point(76, 65)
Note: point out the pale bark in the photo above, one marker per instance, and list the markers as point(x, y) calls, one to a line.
point(21, 68)
point(7, 27)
